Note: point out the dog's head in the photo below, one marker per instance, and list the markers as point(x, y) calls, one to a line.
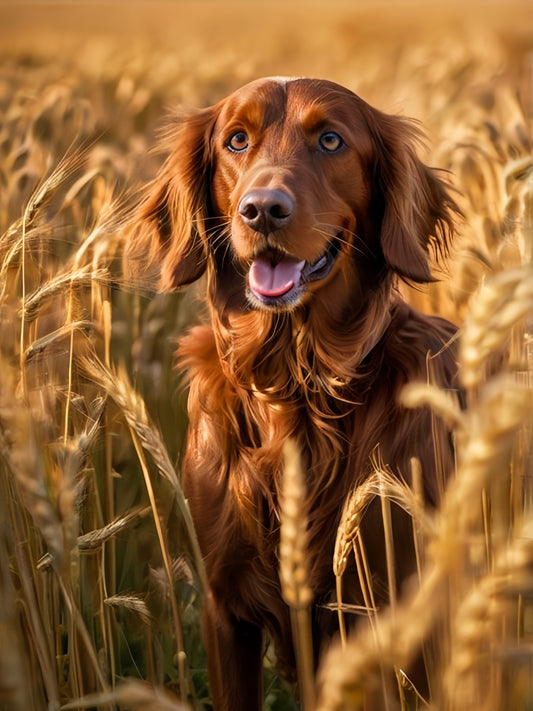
point(291, 187)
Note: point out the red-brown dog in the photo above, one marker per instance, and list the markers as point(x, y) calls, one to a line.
point(303, 206)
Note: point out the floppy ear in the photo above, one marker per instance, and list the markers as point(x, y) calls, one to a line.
point(167, 244)
point(417, 210)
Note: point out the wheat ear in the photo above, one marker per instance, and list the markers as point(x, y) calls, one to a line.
point(294, 570)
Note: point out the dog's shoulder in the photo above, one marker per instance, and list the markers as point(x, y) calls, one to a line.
point(420, 346)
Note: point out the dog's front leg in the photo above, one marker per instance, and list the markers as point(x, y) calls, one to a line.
point(234, 651)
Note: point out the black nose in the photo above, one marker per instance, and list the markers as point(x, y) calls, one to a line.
point(266, 210)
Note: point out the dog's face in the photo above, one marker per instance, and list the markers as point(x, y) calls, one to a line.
point(289, 188)
point(290, 177)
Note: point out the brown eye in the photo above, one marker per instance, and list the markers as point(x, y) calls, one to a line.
point(330, 142)
point(238, 142)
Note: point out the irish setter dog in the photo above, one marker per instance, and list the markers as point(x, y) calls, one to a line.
point(303, 206)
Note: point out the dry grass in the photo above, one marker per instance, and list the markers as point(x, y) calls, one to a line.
point(100, 577)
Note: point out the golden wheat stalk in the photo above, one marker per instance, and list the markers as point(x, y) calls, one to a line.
point(346, 674)
point(348, 539)
point(15, 686)
point(482, 637)
point(293, 568)
point(444, 403)
point(38, 346)
point(352, 514)
point(26, 591)
point(20, 451)
point(390, 490)
point(167, 562)
point(119, 389)
point(146, 437)
point(84, 276)
point(94, 539)
point(505, 302)
point(380, 483)
point(38, 199)
point(41, 196)
point(82, 646)
point(131, 694)
point(133, 603)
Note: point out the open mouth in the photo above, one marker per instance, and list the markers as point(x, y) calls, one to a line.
point(282, 282)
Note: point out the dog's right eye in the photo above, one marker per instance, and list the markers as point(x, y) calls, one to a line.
point(330, 142)
point(238, 142)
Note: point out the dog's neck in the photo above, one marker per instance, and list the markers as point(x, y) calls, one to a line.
point(305, 353)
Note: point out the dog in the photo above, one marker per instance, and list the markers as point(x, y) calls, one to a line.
point(302, 207)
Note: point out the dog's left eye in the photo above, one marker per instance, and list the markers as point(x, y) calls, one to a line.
point(238, 142)
point(330, 142)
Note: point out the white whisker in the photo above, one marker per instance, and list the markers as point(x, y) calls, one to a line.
point(332, 232)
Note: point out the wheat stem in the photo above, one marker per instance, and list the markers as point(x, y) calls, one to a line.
point(166, 561)
point(294, 571)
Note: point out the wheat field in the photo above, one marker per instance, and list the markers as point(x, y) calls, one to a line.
point(100, 577)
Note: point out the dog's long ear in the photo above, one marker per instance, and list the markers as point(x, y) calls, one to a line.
point(166, 247)
point(416, 208)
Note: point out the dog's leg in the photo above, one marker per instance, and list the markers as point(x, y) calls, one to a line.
point(234, 659)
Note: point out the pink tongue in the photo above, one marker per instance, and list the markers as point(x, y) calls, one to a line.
point(266, 280)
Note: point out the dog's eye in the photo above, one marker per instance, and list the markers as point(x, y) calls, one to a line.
point(330, 142)
point(238, 142)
